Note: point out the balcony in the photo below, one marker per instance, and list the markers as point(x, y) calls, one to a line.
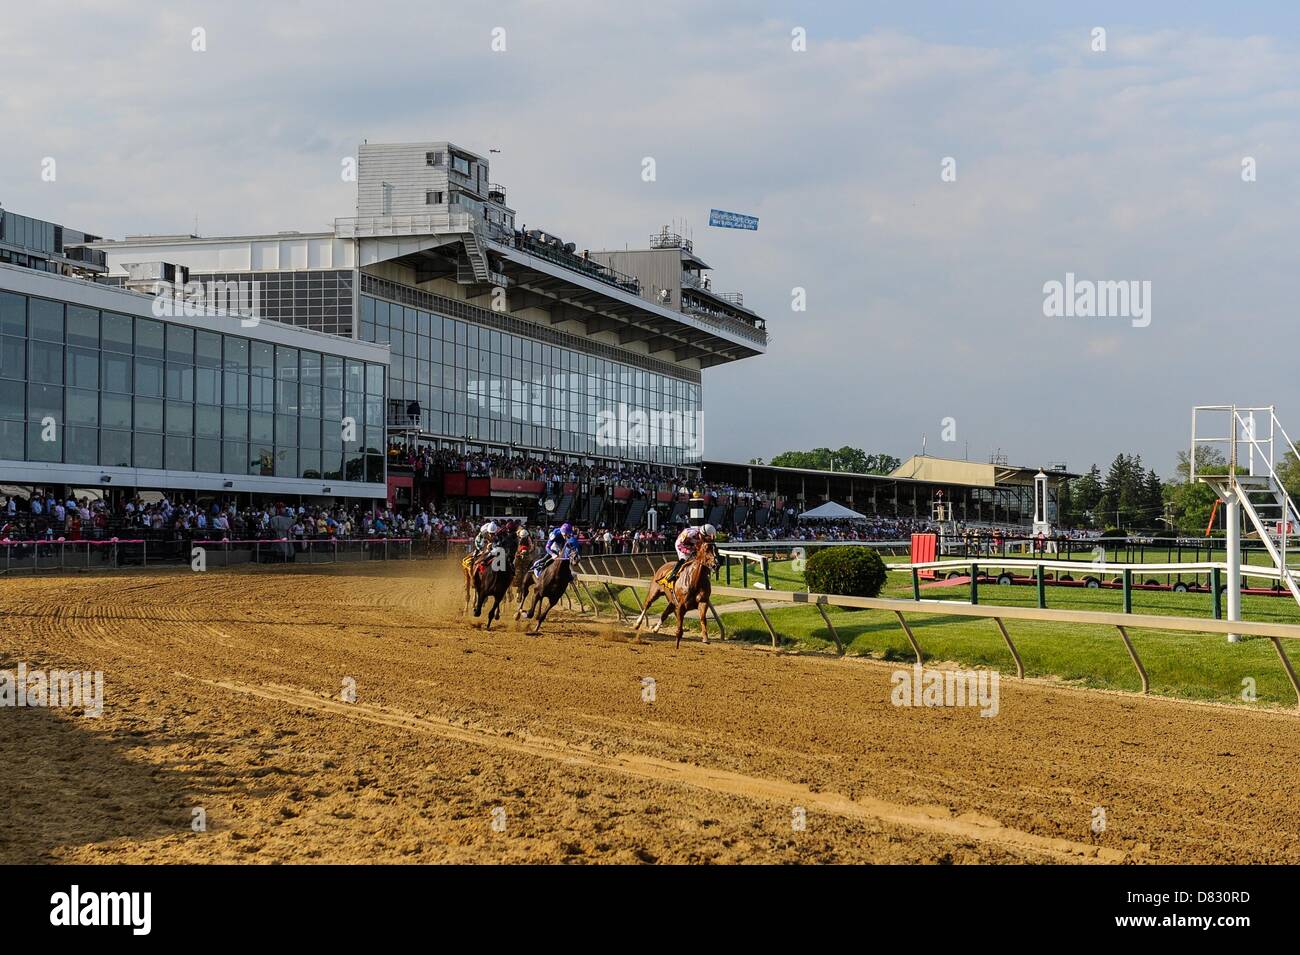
point(497, 193)
point(755, 331)
point(421, 223)
point(557, 254)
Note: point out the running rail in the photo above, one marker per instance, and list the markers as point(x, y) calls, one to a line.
point(1275, 632)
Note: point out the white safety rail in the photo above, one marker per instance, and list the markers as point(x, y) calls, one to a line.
point(1123, 622)
point(746, 557)
point(1087, 566)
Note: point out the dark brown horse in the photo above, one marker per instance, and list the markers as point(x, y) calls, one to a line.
point(550, 588)
point(691, 590)
point(524, 556)
point(489, 578)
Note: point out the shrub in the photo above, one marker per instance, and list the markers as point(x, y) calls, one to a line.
point(849, 571)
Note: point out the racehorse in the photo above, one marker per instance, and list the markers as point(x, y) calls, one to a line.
point(488, 578)
point(689, 591)
point(523, 566)
point(550, 587)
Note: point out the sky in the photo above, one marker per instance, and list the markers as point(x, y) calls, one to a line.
point(925, 293)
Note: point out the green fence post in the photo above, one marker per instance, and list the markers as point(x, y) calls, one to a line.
point(1128, 591)
point(1042, 589)
point(728, 570)
point(744, 572)
point(1215, 580)
point(974, 584)
point(767, 584)
point(916, 584)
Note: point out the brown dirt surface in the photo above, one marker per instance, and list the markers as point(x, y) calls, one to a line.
point(223, 691)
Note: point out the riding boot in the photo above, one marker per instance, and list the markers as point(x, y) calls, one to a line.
point(676, 570)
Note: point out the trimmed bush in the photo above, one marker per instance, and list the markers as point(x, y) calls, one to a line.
point(848, 571)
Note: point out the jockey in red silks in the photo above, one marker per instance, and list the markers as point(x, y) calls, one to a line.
point(688, 542)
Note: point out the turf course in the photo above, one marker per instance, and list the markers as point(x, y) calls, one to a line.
point(1192, 666)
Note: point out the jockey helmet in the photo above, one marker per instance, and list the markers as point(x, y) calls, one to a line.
point(709, 530)
point(522, 534)
point(490, 527)
point(566, 528)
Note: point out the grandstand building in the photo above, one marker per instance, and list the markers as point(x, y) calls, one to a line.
point(922, 488)
point(499, 340)
point(99, 391)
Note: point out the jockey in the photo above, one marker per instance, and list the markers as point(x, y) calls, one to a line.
point(485, 541)
point(523, 544)
point(688, 542)
point(555, 543)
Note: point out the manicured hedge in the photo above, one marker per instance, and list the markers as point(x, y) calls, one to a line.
point(849, 571)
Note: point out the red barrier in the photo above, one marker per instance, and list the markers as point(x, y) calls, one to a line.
point(511, 485)
point(79, 540)
point(924, 548)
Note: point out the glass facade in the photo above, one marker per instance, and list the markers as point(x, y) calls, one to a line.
point(492, 386)
point(97, 388)
point(318, 299)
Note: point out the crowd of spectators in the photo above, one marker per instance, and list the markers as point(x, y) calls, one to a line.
point(47, 517)
point(872, 529)
point(642, 479)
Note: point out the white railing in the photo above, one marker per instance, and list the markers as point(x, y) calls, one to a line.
point(1275, 632)
point(420, 223)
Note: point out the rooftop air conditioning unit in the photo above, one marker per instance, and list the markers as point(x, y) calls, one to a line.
point(147, 276)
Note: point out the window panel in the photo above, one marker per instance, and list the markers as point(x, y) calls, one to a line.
point(13, 315)
point(83, 408)
point(45, 319)
point(83, 327)
point(11, 440)
point(45, 362)
point(148, 339)
point(13, 357)
point(148, 415)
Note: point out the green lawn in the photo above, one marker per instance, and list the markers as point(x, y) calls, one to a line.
point(1189, 665)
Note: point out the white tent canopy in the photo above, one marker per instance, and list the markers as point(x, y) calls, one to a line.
point(830, 511)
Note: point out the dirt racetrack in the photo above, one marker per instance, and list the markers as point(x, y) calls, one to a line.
point(223, 693)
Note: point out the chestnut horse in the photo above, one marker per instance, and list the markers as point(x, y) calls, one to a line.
point(689, 591)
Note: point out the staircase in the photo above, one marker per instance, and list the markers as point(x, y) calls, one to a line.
point(635, 513)
point(1250, 446)
point(477, 259)
point(562, 509)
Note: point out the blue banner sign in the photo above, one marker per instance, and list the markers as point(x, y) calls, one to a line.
point(732, 220)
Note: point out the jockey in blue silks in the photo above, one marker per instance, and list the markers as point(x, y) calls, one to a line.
point(555, 544)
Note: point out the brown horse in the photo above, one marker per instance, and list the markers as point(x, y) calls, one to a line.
point(689, 591)
point(488, 578)
point(524, 556)
point(550, 588)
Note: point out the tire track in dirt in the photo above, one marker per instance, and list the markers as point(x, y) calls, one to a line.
point(934, 819)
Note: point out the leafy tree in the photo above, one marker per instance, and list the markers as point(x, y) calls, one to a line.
point(1193, 503)
point(1085, 494)
point(845, 459)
